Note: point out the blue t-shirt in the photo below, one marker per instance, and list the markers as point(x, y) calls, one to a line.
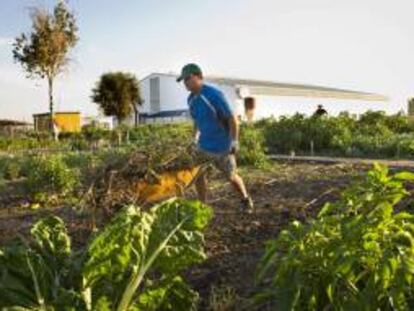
point(210, 112)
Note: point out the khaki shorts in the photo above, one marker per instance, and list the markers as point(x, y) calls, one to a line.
point(224, 162)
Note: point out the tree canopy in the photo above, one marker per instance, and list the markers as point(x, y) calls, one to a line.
point(117, 94)
point(44, 51)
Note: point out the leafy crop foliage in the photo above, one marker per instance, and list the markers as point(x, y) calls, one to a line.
point(29, 140)
point(252, 147)
point(357, 255)
point(11, 167)
point(49, 175)
point(148, 133)
point(134, 263)
point(373, 134)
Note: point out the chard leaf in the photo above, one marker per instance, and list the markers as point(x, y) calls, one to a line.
point(164, 240)
point(404, 176)
point(34, 275)
point(52, 238)
point(169, 294)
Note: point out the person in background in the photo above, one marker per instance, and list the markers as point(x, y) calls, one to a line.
point(56, 130)
point(320, 111)
point(216, 132)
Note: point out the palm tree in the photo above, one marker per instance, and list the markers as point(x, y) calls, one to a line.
point(117, 94)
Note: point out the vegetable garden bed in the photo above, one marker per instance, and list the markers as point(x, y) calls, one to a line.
point(234, 241)
point(86, 190)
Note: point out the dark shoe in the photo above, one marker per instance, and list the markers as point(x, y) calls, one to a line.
point(247, 205)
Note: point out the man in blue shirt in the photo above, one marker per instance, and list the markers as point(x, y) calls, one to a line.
point(216, 131)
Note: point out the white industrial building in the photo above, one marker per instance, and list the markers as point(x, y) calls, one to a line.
point(165, 100)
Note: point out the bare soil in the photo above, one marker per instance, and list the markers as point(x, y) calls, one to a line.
point(234, 240)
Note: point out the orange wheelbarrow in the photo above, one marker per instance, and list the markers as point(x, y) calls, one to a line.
point(169, 184)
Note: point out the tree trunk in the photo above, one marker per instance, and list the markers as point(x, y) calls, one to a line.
point(51, 106)
point(136, 115)
point(119, 132)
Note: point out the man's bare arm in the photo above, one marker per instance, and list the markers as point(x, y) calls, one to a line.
point(196, 133)
point(234, 133)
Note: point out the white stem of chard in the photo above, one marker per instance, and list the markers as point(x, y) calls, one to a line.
point(39, 296)
point(136, 278)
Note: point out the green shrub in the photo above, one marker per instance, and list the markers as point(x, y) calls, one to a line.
point(29, 141)
point(83, 164)
point(92, 133)
point(13, 167)
point(399, 123)
point(13, 170)
point(402, 145)
point(49, 176)
point(284, 135)
point(252, 150)
point(9, 168)
point(78, 159)
point(298, 133)
point(150, 133)
point(374, 134)
point(357, 255)
point(113, 156)
point(376, 122)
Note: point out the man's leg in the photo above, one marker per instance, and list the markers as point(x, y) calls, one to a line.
point(201, 187)
point(228, 165)
point(238, 184)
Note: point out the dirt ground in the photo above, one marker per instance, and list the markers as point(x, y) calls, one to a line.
point(234, 241)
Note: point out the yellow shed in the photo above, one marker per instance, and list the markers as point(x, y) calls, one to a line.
point(67, 122)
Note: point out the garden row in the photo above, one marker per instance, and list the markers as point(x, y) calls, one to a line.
point(356, 255)
point(90, 137)
point(373, 134)
point(66, 174)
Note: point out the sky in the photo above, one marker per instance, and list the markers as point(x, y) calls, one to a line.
point(365, 45)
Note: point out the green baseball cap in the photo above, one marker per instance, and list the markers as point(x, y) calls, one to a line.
point(188, 70)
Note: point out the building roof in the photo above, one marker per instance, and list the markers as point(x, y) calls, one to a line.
point(5, 122)
point(261, 87)
point(271, 88)
point(55, 113)
point(166, 114)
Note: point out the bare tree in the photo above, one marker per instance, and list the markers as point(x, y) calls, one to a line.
point(43, 52)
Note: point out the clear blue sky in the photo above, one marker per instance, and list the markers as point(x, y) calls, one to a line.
point(356, 44)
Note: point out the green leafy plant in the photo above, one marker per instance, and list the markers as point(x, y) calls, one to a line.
point(37, 276)
point(93, 133)
point(49, 176)
point(223, 298)
point(357, 255)
point(10, 167)
point(252, 147)
point(344, 135)
point(134, 263)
